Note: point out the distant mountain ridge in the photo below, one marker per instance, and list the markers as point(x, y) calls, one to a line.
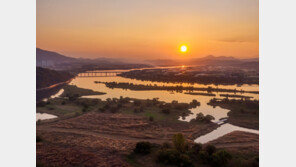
point(44, 55)
point(57, 61)
point(207, 60)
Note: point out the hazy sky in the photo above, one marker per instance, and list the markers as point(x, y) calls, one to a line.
point(148, 29)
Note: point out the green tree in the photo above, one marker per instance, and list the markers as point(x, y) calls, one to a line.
point(221, 158)
point(179, 142)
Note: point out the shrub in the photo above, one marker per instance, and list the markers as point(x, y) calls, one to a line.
point(208, 118)
point(174, 102)
point(210, 149)
point(179, 142)
point(63, 103)
point(107, 106)
point(196, 148)
point(151, 118)
point(195, 103)
point(109, 100)
point(119, 106)
point(204, 157)
point(143, 148)
point(201, 118)
point(166, 145)
point(166, 111)
point(221, 158)
point(137, 102)
point(173, 157)
point(102, 110)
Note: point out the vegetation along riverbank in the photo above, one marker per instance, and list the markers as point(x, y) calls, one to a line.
point(131, 86)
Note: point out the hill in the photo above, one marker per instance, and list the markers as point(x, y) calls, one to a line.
point(46, 77)
point(57, 61)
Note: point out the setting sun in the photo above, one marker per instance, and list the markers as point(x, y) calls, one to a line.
point(183, 48)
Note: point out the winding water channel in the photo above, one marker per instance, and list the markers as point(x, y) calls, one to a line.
point(169, 96)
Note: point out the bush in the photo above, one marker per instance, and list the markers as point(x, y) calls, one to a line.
point(166, 111)
point(208, 118)
point(210, 149)
point(173, 157)
point(204, 157)
point(196, 148)
point(174, 102)
point(179, 142)
point(137, 102)
point(151, 118)
point(201, 118)
point(166, 145)
point(143, 148)
point(195, 103)
point(63, 103)
point(221, 158)
point(107, 106)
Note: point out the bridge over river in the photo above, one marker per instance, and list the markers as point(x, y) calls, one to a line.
point(99, 73)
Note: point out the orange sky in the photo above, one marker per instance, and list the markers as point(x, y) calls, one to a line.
point(148, 29)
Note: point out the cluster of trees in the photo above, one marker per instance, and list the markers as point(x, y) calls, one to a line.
point(215, 77)
point(177, 88)
point(250, 104)
point(181, 153)
point(204, 119)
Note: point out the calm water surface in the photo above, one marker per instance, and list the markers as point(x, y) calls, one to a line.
point(44, 116)
point(169, 96)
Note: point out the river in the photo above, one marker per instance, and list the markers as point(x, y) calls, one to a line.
point(169, 96)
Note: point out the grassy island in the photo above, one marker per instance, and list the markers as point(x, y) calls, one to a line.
point(244, 113)
point(131, 86)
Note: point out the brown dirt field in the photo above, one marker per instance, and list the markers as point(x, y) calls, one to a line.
point(104, 139)
point(238, 141)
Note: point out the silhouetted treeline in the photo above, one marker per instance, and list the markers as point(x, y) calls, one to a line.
point(46, 77)
point(213, 77)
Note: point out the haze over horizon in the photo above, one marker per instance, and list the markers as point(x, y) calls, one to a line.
point(152, 29)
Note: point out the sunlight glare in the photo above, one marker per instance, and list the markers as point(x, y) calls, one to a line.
point(183, 48)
